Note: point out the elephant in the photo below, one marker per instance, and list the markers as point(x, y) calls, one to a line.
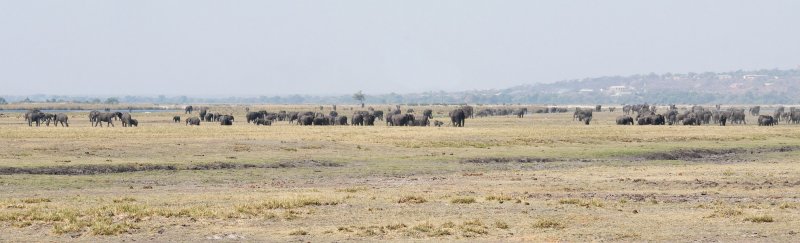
point(402, 119)
point(176, 119)
point(293, 116)
point(48, 117)
point(369, 120)
point(659, 120)
point(320, 121)
point(520, 113)
point(420, 120)
point(208, 117)
point(438, 123)
point(226, 120)
point(624, 120)
point(133, 122)
point(341, 120)
point(468, 111)
point(598, 108)
point(305, 120)
point(671, 117)
point(389, 118)
point(194, 121)
point(611, 109)
point(262, 121)
point(378, 114)
point(691, 121)
point(107, 117)
point(61, 118)
point(333, 113)
point(93, 116)
point(252, 116)
point(34, 116)
point(358, 120)
point(188, 110)
point(126, 119)
point(582, 115)
point(755, 110)
point(457, 117)
point(203, 112)
point(766, 120)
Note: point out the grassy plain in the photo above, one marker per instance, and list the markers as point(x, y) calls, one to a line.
point(539, 178)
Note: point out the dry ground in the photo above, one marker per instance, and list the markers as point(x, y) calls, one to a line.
point(540, 178)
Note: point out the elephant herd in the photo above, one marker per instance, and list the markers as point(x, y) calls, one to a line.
point(638, 114)
point(698, 115)
point(37, 117)
point(97, 118)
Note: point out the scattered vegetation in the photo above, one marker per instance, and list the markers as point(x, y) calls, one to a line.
point(548, 223)
point(760, 219)
point(412, 199)
point(463, 200)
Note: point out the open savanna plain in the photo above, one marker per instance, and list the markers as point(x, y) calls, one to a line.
point(544, 177)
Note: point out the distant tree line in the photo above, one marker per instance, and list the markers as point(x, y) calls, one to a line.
point(649, 89)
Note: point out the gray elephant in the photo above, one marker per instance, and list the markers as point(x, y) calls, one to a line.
point(126, 119)
point(358, 119)
point(378, 114)
point(188, 109)
point(176, 119)
point(203, 112)
point(341, 120)
point(457, 117)
point(262, 122)
point(305, 120)
point(252, 116)
point(194, 121)
point(133, 123)
point(34, 117)
point(321, 121)
point(93, 116)
point(402, 119)
point(61, 118)
point(107, 117)
point(438, 123)
point(520, 113)
point(226, 120)
point(420, 120)
point(765, 120)
point(624, 120)
point(369, 120)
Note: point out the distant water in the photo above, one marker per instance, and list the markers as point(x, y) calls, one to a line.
point(71, 111)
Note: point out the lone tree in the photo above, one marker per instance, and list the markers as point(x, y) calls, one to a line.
point(359, 96)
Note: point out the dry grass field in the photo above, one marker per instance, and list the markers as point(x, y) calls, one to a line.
point(540, 178)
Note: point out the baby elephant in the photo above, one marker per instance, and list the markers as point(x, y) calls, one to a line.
point(134, 123)
point(194, 121)
point(438, 123)
point(176, 119)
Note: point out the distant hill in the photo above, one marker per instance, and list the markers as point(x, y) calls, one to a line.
point(739, 87)
point(762, 86)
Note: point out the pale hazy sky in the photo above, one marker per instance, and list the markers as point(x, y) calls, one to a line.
point(265, 47)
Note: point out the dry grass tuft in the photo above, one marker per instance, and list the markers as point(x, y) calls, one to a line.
point(35, 200)
point(760, 219)
point(412, 199)
point(463, 200)
point(583, 203)
point(298, 232)
point(548, 224)
point(499, 198)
